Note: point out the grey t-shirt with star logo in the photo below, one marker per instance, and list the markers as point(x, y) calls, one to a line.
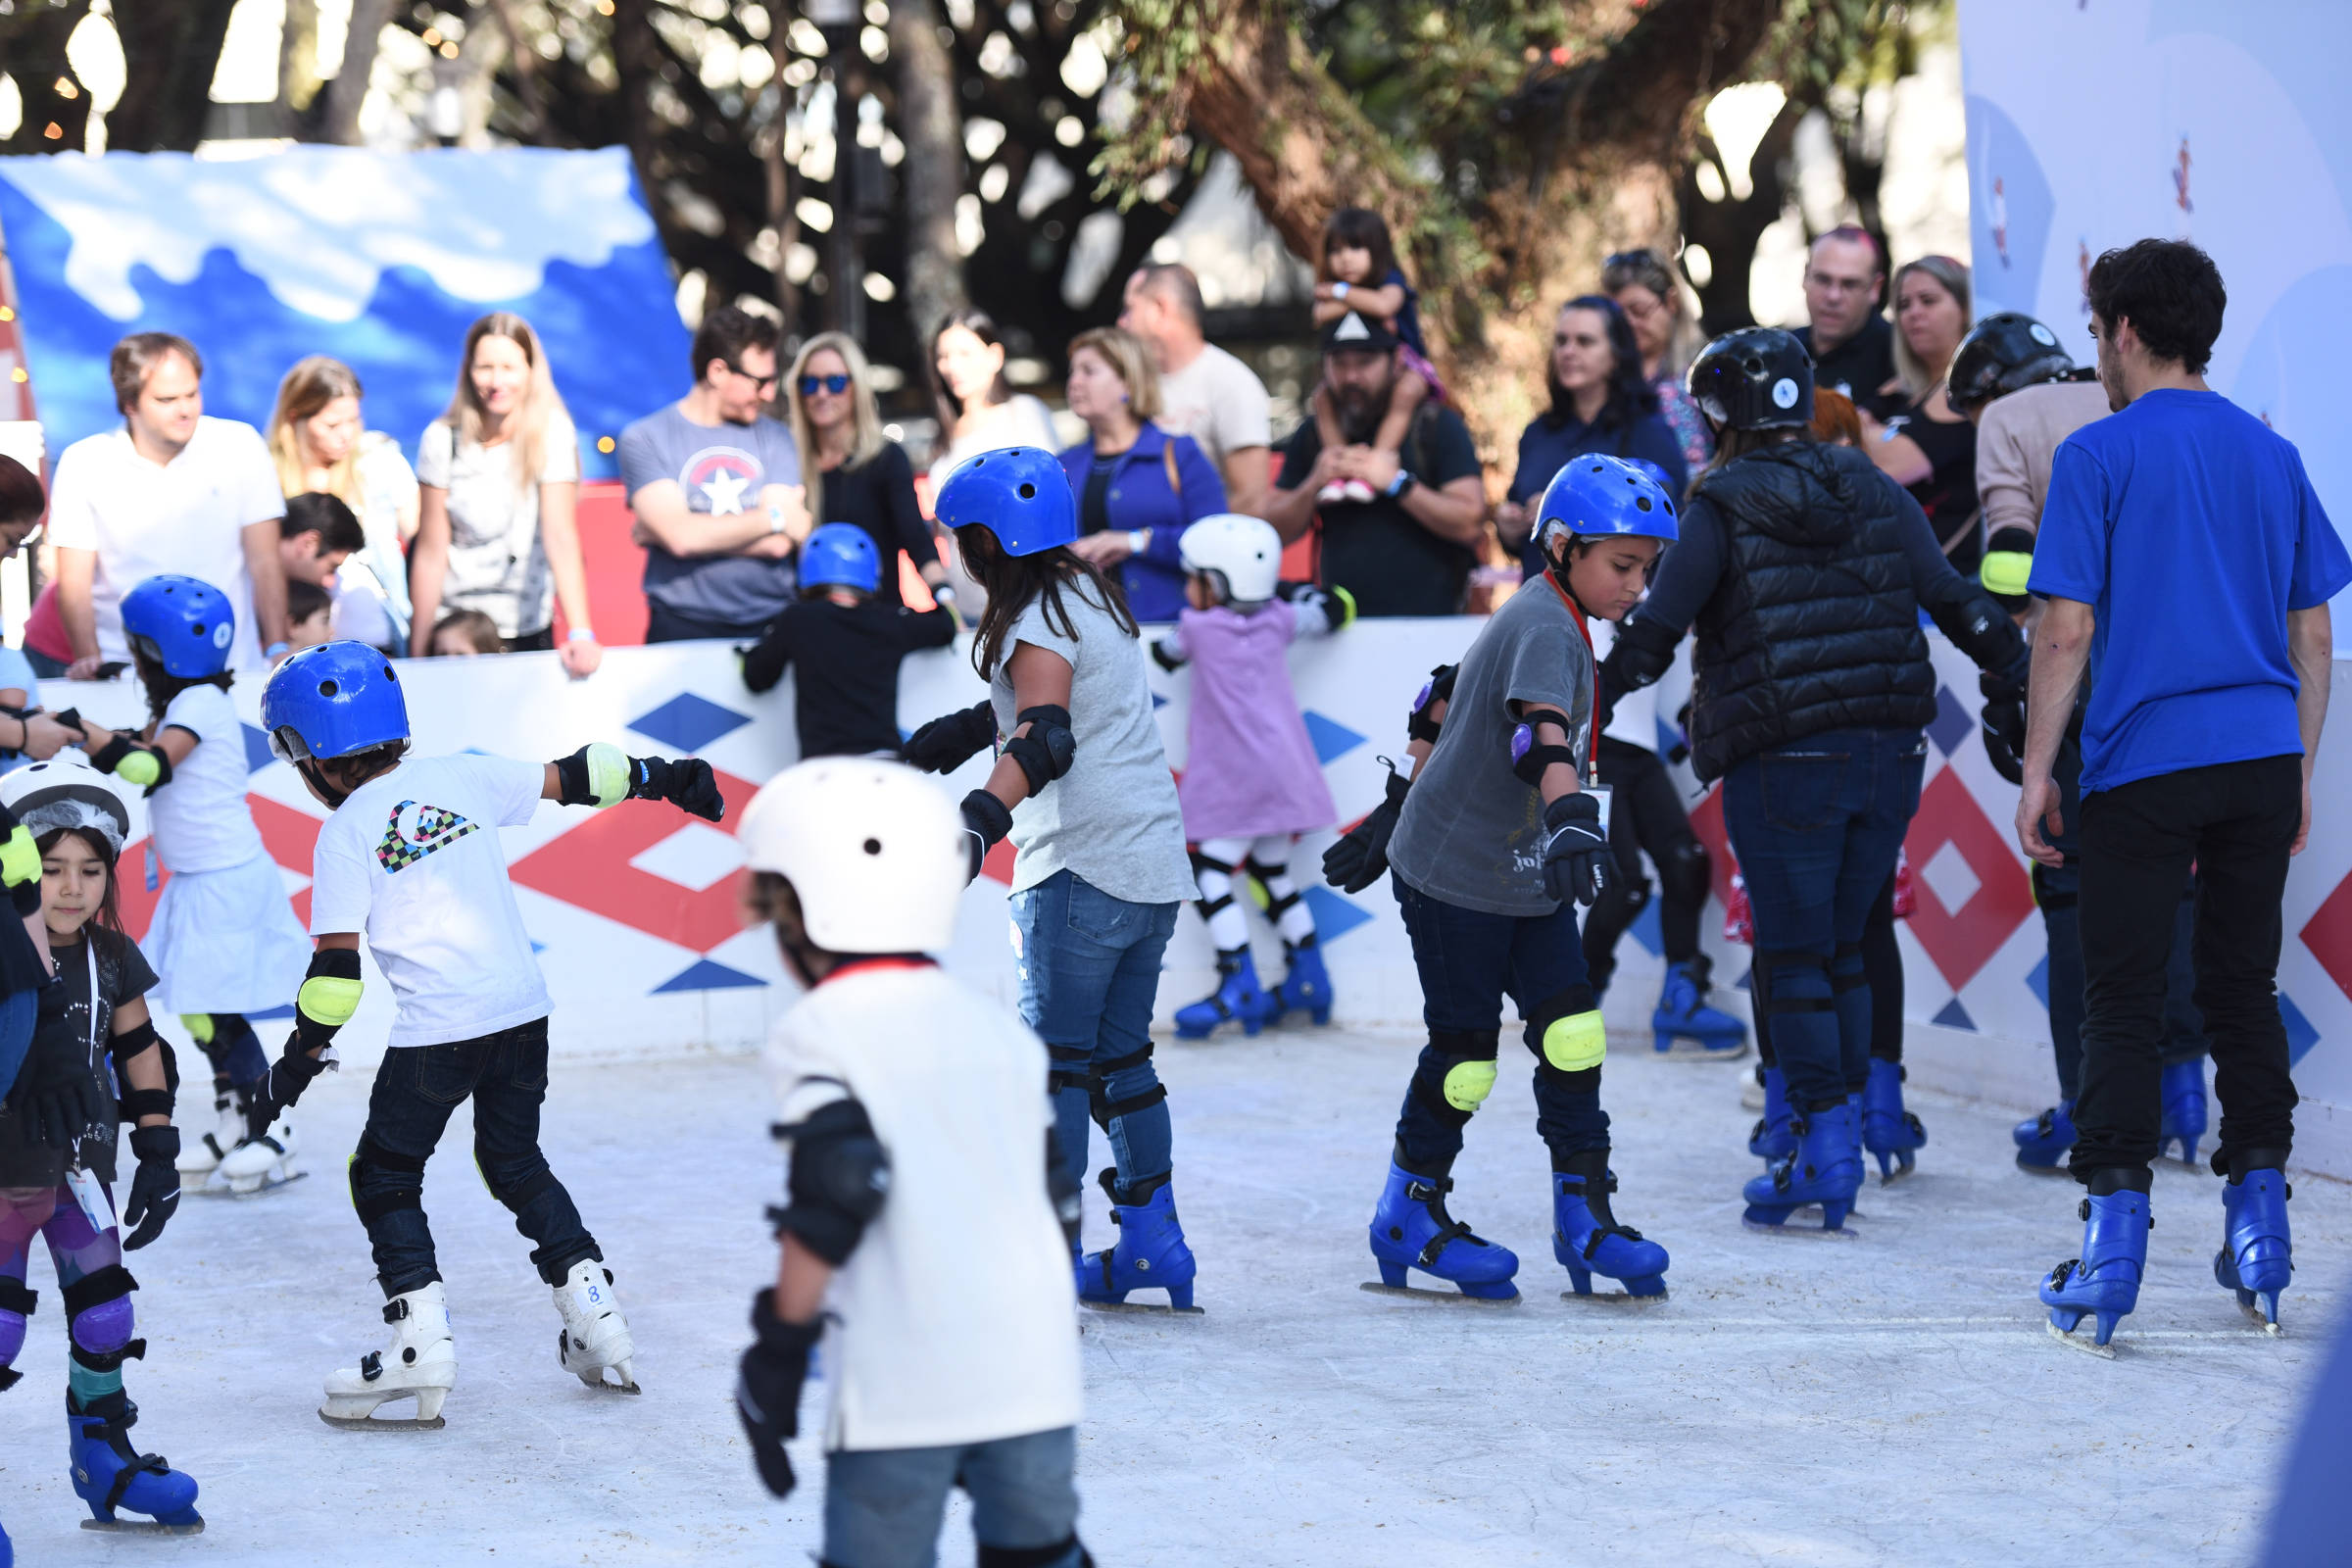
point(721, 468)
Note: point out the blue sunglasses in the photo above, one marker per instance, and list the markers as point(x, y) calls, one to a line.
point(810, 385)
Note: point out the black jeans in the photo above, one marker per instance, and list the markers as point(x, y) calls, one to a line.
point(415, 1090)
point(665, 625)
point(2237, 823)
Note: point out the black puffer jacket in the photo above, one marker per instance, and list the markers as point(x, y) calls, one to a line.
point(1814, 623)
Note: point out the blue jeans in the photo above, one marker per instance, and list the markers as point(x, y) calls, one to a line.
point(1468, 961)
point(883, 1505)
point(1817, 824)
point(504, 1074)
point(1090, 972)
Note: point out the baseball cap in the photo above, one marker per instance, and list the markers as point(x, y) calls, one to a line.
point(1358, 333)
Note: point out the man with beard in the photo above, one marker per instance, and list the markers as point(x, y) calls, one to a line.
point(1408, 551)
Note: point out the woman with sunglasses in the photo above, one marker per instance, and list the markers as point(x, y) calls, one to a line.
point(854, 472)
point(716, 488)
point(1645, 289)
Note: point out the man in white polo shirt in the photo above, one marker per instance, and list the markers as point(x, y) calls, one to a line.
point(171, 491)
point(1204, 392)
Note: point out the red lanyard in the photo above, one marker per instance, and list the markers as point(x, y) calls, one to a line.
point(1593, 751)
point(859, 965)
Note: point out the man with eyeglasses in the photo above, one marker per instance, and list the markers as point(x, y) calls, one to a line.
point(1852, 345)
point(716, 488)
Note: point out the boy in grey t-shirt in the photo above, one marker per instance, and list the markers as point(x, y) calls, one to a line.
point(1497, 839)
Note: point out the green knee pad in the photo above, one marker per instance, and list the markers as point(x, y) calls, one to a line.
point(1576, 1043)
point(199, 1026)
point(1468, 1084)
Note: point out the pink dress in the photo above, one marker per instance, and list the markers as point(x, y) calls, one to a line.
point(1252, 772)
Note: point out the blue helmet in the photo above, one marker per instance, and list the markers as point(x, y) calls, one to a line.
point(841, 555)
point(1594, 496)
point(331, 701)
point(182, 624)
point(1019, 494)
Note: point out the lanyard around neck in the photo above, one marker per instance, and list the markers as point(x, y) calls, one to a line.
point(1575, 614)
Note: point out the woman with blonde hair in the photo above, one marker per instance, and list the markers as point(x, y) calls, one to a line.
point(854, 472)
point(1928, 447)
point(319, 443)
point(498, 528)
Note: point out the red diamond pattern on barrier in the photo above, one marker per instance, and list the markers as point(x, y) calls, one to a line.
point(589, 867)
point(1706, 822)
point(2328, 935)
point(1962, 940)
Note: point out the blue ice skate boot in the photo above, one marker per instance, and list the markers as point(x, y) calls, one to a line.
point(108, 1474)
point(1149, 1254)
point(2044, 1140)
point(1826, 1169)
point(1588, 1239)
point(1683, 1013)
point(1306, 988)
point(1772, 1141)
point(2255, 1260)
point(2183, 1089)
point(1888, 1131)
point(2104, 1282)
point(1239, 998)
point(1410, 1229)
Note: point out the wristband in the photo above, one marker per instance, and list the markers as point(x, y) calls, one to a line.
point(275, 649)
point(579, 634)
point(1398, 485)
point(1339, 291)
point(775, 519)
point(1138, 541)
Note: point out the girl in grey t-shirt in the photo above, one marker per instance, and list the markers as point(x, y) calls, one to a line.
point(1082, 789)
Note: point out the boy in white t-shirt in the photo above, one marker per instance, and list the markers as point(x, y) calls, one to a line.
point(930, 1214)
point(412, 859)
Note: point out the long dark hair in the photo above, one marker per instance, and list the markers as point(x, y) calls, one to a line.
point(981, 325)
point(110, 912)
point(162, 687)
point(1359, 228)
point(1631, 395)
point(1732, 443)
point(1013, 583)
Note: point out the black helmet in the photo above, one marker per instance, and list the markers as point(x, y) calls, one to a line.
point(1758, 378)
point(2000, 354)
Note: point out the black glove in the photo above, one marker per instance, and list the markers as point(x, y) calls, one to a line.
point(687, 783)
point(2002, 722)
point(1357, 862)
point(986, 821)
point(1161, 656)
point(154, 1186)
point(56, 1093)
point(283, 1084)
point(767, 1389)
point(952, 740)
point(1577, 860)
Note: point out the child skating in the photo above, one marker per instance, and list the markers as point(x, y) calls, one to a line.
point(1252, 780)
point(224, 940)
point(64, 1196)
point(929, 1211)
point(411, 859)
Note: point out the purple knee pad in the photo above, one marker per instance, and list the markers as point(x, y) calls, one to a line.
point(12, 1336)
point(99, 1329)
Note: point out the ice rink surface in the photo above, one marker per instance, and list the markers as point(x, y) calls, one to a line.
point(1888, 1398)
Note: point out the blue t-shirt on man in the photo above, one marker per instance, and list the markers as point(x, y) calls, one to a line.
point(2191, 530)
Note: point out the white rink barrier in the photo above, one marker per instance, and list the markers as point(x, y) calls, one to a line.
point(635, 909)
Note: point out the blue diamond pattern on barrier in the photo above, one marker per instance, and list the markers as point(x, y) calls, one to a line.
point(1332, 739)
point(1158, 702)
point(2300, 1035)
point(705, 975)
point(1955, 1016)
point(258, 755)
point(2038, 982)
point(1952, 723)
point(1647, 931)
point(1335, 916)
point(688, 723)
point(1670, 737)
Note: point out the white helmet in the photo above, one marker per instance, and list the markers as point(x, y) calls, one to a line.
point(65, 791)
point(874, 849)
point(1247, 550)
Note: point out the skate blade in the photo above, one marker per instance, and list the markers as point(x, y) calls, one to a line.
point(1687, 1050)
point(144, 1527)
point(235, 1191)
point(1815, 1233)
point(370, 1423)
point(624, 1386)
point(2076, 1342)
point(1620, 1299)
point(2261, 1319)
point(1449, 1298)
point(1141, 1308)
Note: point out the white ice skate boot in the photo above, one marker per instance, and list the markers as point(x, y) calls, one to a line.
point(200, 1159)
point(421, 1363)
point(263, 1161)
point(595, 1336)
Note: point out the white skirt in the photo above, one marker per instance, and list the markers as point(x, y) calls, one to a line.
point(227, 942)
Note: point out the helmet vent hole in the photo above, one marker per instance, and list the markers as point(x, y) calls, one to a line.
point(1028, 492)
point(328, 688)
point(1641, 503)
point(873, 846)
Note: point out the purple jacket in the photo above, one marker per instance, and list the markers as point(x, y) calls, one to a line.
point(1249, 768)
point(1140, 497)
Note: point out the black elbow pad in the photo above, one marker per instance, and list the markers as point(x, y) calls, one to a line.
point(840, 1178)
point(1048, 750)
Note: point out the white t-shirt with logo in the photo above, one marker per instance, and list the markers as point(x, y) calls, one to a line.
point(1218, 402)
point(200, 819)
point(953, 1320)
point(413, 859)
point(189, 516)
